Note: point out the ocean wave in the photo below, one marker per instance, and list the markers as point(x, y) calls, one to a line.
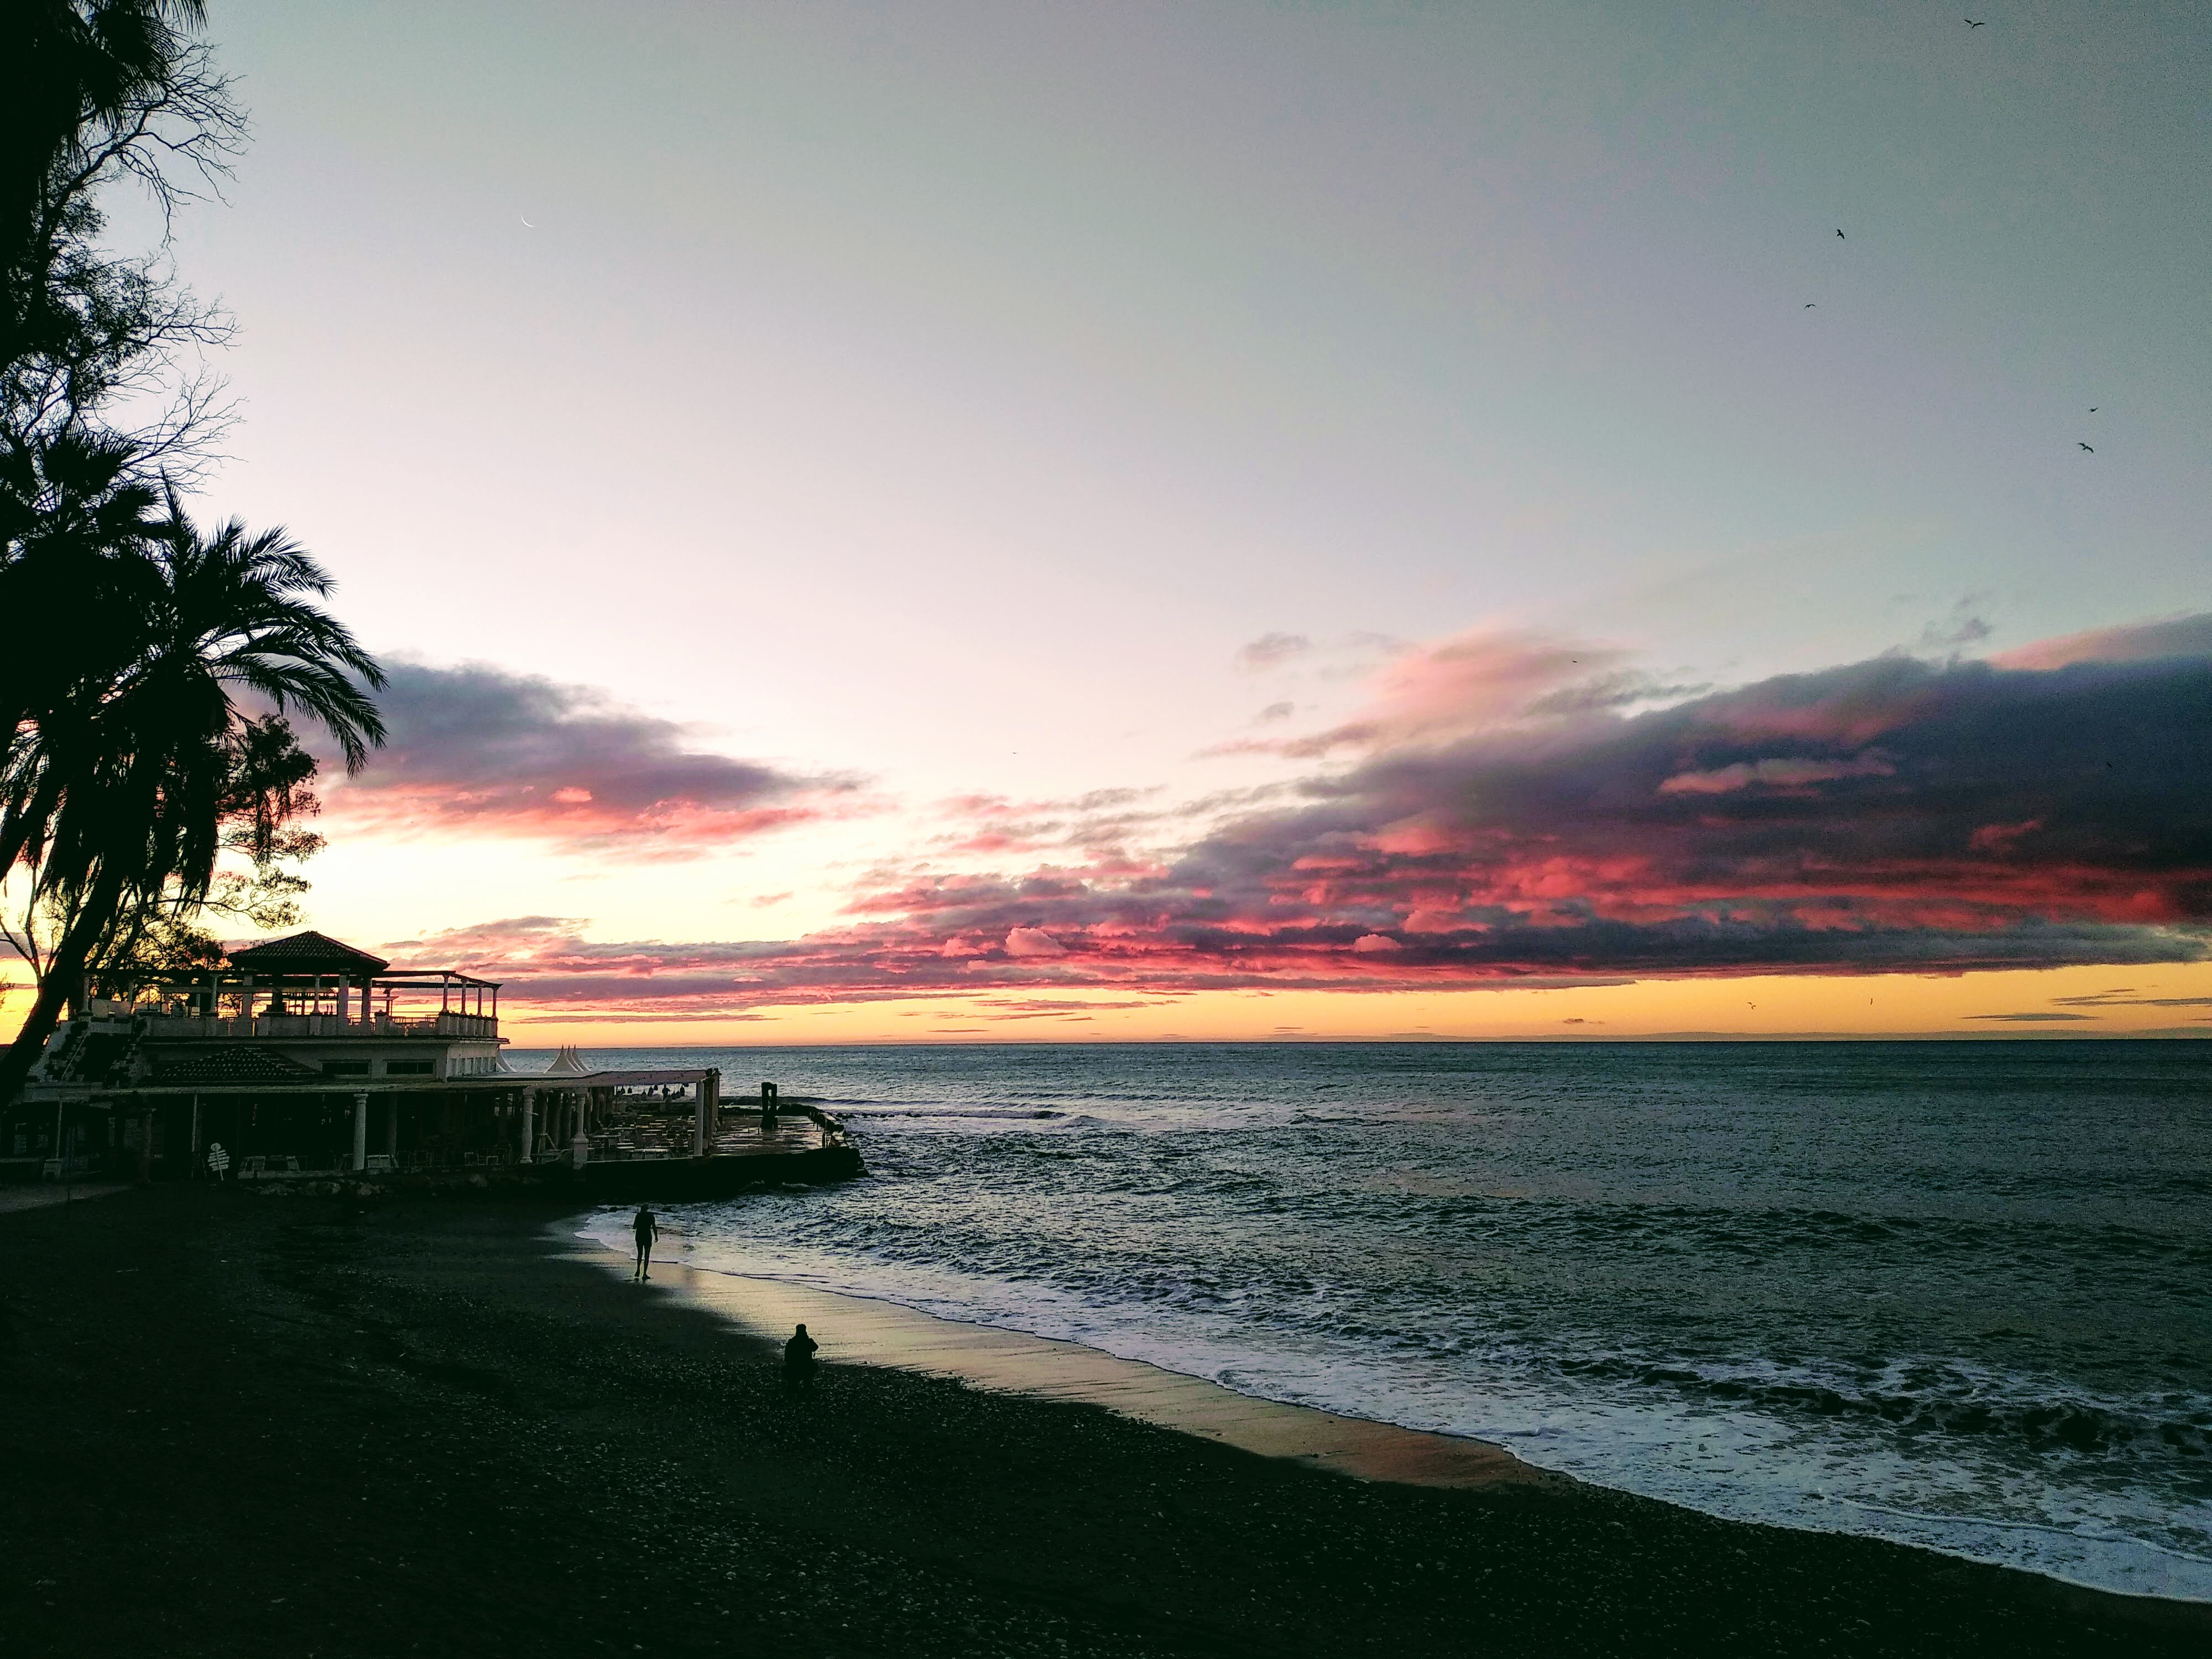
point(1018, 1114)
point(1949, 1400)
point(1886, 1291)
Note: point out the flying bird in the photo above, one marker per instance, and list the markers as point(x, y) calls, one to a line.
point(1971, 24)
point(1841, 237)
point(2092, 408)
point(1808, 305)
point(526, 221)
point(2083, 446)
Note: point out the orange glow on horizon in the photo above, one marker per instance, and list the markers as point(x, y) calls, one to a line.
point(1774, 1007)
point(2074, 1001)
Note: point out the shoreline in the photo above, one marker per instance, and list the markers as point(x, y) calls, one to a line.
point(863, 1330)
point(876, 1331)
point(422, 1426)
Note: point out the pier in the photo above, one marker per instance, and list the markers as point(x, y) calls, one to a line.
point(308, 1060)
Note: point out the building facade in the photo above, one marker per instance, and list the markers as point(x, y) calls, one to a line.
point(304, 1050)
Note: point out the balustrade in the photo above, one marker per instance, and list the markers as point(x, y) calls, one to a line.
point(448, 1024)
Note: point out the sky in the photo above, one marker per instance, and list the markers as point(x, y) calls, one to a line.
point(948, 522)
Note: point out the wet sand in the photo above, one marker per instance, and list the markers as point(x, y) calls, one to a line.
point(242, 1425)
point(861, 1331)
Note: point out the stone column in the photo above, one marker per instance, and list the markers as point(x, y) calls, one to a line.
point(529, 1124)
point(699, 1124)
point(359, 1132)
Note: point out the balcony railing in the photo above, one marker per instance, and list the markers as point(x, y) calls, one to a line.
point(173, 1027)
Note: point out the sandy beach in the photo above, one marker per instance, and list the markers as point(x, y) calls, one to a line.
point(242, 1425)
point(869, 1332)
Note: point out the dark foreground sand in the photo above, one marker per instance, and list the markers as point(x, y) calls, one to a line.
point(244, 1426)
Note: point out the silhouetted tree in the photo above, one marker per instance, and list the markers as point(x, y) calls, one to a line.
point(161, 935)
point(130, 768)
point(117, 796)
point(94, 92)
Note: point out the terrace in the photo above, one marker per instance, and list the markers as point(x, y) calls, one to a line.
point(311, 985)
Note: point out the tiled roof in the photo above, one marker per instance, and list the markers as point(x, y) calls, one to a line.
point(231, 1064)
point(308, 953)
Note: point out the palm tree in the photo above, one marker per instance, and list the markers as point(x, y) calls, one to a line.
point(117, 786)
point(75, 510)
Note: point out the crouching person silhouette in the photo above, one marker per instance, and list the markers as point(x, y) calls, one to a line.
point(799, 1363)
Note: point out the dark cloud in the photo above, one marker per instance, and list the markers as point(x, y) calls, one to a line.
point(1963, 627)
point(543, 960)
point(2167, 638)
point(2033, 1019)
point(1890, 816)
point(478, 748)
point(1621, 689)
point(1887, 815)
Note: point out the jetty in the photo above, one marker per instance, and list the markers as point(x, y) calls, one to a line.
point(307, 1060)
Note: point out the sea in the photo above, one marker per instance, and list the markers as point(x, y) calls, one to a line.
point(1955, 1294)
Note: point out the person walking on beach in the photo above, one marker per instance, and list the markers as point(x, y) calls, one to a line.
point(647, 1230)
point(799, 1363)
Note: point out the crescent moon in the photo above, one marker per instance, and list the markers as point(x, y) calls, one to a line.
point(526, 221)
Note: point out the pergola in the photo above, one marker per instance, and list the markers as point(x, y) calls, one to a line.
point(305, 971)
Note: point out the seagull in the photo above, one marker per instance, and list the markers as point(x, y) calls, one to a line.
point(2083, 446)
point(1808, 305)
point(1841, 237)
point(526, 221)
point(2092, 408)
point(1971, 24)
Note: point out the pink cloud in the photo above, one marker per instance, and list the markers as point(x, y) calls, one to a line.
point(1775, 774)
point(477, 751)
point(2172, 637)
point(1486, 681)
point(2012, 817)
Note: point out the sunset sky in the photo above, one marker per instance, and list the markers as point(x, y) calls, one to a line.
point(1013, 522)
